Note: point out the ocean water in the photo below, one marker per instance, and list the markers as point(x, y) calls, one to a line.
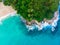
point(14, 32)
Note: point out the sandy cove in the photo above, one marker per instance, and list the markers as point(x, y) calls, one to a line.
point(5, 11)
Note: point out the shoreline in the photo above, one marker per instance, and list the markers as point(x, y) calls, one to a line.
point(9, 14)
point(34, 24)
point(6, 16)
point(6, 11)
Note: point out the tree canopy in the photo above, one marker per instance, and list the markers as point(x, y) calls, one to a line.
point(34, 9)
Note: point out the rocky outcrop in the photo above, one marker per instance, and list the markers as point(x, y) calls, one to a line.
point(34, 24)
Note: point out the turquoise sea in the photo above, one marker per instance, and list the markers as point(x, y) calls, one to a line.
point(14, 32)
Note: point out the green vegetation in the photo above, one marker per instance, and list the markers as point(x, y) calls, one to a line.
point(0, 0)
point(34, 9)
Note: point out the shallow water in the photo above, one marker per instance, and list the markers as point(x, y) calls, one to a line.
point(14, 32)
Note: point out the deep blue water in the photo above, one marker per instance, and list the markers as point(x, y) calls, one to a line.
point(14, 32)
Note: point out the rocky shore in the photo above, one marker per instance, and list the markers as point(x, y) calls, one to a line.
point(34, 24)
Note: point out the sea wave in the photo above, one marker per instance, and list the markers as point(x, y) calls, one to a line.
point(44, 25)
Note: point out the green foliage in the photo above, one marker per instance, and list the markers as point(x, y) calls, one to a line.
point(34, 9)
point(0, 0)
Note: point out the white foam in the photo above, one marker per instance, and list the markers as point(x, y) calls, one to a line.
point(40, 28)
point(4, 17)
point(54, 24)
point(30, 27)
point(45, 24)
point(53, 29)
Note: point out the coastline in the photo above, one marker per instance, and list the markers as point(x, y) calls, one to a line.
point(6, 11)
point(9, 14)
point(33, 25)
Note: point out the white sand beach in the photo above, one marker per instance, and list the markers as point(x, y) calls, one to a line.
point(5, 11)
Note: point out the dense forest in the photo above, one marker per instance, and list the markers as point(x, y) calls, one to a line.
point(34, 9)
